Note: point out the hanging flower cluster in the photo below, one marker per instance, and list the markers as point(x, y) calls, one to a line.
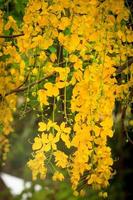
point(10, 78)
point(79, 42)
point(75, 51)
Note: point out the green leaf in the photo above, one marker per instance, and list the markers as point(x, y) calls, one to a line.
point(52, 49)
point(67, 31)
point(1, 127)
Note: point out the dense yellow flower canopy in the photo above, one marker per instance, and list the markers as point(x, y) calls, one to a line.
point(74, 48)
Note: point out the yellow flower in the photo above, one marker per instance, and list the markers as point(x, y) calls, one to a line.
point(64, 134)
point(61, 84)
point(42, 126)
point(11, 24)
point(76, 193)
point(65, 22)
point(52, 124)
point(42, 97)
point(66, 139)
point(40, 142)
point(62, 38)
point(37, 166)
point(92, 179)
point(73, 58)
point(64, 129)
point(43, 21)
point(52, 140)
point(46, 43)
point(42, 56)
point(58, 176)
point(35, 71)
point(83, 36)
point(37, 143)
point(78, 64)
point(51, 89)
point(131, 122)
point(108, 123)
point(63, 73)
point(103, 194)
point(73, 43)
point(53, 57)
point(61, 159)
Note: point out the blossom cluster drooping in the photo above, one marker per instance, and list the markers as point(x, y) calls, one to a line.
point(80, 42)
point(11, 76)
point(78, 49)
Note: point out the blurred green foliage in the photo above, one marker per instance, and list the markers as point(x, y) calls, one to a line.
point(14, 8)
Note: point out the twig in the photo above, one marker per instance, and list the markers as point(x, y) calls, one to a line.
point(124, 66)
point(21, 89)
point(26, 79)
point(11, 36)
point(124, 131)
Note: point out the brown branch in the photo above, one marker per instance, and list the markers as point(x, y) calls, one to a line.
point(128, 138)
point(123, 128)
point(11, 36)
point(21, 89)
point(26, 79)
point(124, 66)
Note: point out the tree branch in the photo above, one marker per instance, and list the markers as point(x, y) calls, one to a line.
point(124, 131)
point(21, 89)
point(11, 36)
point(26, 79)
point(124, 66)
